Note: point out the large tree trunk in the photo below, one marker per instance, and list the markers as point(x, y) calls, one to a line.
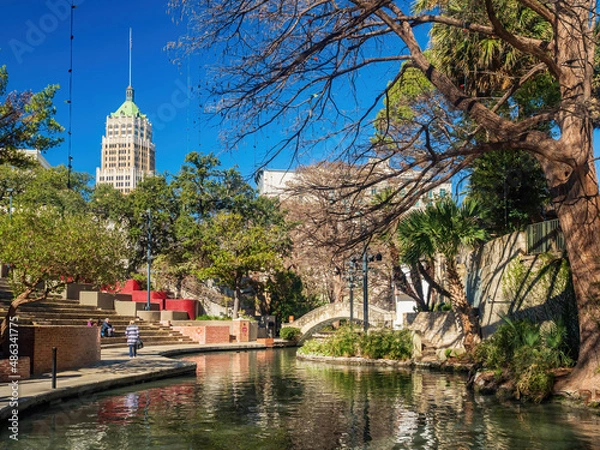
point(578, 207)
point(466, 315)
point(237, 294)
point(574, 190)
point(338, 285)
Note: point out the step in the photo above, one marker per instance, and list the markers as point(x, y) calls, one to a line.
point(123, 339)
point(119, 328)
point(150, 333)
point(64, 312)
point(148, 343)
point(116, 342)
point(60, 301)
point(71, 315)
point(58, 309)
point(83, 320)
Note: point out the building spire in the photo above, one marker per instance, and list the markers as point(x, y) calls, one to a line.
point(129, 91)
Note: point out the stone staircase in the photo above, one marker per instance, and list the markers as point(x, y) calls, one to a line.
point(61, 312)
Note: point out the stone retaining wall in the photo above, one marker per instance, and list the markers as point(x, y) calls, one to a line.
point(436, 328)
point(503, 281)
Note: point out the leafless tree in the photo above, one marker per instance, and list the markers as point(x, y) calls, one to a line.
point(299, 65)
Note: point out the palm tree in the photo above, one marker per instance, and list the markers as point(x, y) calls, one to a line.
point(443, 228)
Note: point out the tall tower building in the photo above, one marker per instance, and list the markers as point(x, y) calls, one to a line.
point(128, 153)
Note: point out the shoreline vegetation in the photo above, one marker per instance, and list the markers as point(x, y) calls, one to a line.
point(521, 361)
point(348, 342)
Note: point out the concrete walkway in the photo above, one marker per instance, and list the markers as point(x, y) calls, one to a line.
point(114, 370)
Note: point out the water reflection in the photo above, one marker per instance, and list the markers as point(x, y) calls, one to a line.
point(269, 400)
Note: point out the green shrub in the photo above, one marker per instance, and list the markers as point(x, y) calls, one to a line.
point(290, 334)
point(348, 341)
point(207, 317)
point(343, 342)
point(312, 347)
point(386, 344)
point(527, 354)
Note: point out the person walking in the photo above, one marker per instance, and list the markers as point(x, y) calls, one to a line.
point(133, 335)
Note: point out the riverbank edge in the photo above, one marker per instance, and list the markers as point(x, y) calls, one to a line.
point(83, 390)
point(354, 361)
point(439, 366)
point(442, 366)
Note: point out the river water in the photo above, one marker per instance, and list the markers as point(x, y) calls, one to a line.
point(269, 400)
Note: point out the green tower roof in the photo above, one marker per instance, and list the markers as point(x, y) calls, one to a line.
point(128, 108)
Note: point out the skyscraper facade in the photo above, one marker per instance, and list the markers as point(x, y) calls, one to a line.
point(128, 153)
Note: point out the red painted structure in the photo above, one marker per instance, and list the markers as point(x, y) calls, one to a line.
point(182, 304)
point(133, 288)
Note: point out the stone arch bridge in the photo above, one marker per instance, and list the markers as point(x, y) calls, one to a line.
point(318, 318)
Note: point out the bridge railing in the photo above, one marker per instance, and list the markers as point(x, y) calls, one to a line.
point(336, 311)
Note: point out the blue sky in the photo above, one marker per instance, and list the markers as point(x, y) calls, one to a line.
point(34, 45)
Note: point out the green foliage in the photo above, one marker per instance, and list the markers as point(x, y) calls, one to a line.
point(347, 341)
point(314, 347)
point(234, 245)
point(411, 86)
point(344, 342)
point(527, 352)
point(546, 287)
point(286, 296)
point(207, 222)
point(387, 344)
point(154, 195)
point(511, 189)
point(482, 65)
point(26, 121)
point(205, 189)
point(442, 227)
point(35, 187)
point(47, 247)
point(208, 317)
point(290, 334)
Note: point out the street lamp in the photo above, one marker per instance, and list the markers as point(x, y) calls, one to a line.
point(149, 255)
point(351, 273)
point(10, 195)
point(366, 259)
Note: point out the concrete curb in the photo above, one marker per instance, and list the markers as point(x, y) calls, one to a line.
point(84, 390)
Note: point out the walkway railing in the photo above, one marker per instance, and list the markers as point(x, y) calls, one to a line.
point(543, 237)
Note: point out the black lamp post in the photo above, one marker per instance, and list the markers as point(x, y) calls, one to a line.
point(366, 259)
point(351, 273)
point(149, 256)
